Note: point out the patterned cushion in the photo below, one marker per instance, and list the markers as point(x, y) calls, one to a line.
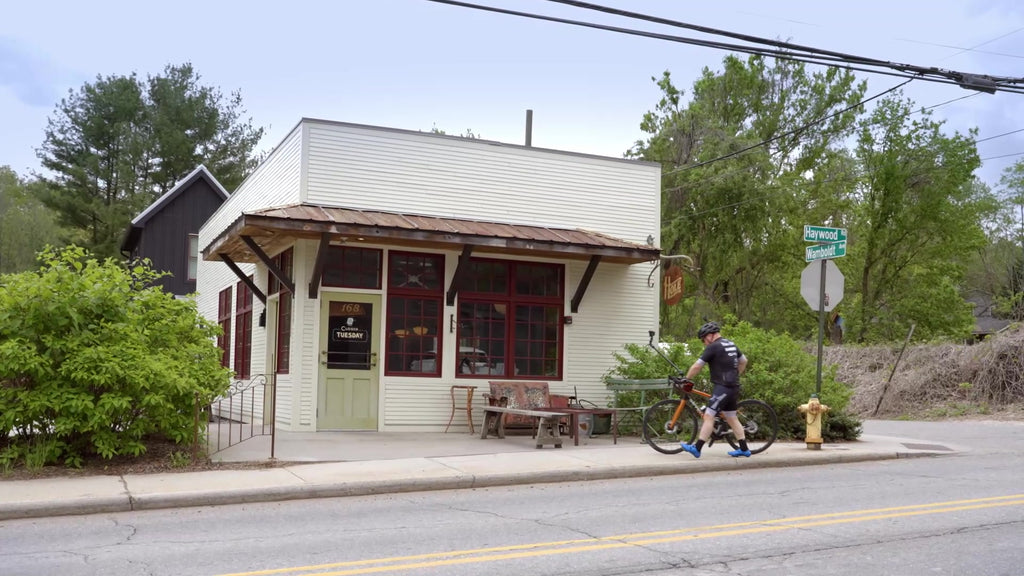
point(525, 395)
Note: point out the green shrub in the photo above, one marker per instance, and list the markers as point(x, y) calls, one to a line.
point(779, 372)
point(94, 362)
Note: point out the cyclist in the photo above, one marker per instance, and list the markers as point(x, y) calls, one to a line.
point(726, 363)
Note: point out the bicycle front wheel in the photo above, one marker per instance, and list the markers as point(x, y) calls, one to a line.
point(760, 425)
point(662, 435)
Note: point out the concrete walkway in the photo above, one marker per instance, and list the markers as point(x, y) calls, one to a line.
point(325, 464)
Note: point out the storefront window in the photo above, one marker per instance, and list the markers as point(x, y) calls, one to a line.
point(510, 320)
point(243, 330)
point(415, 298)
point(224, 320)
point(351, 267)
point(284, 311)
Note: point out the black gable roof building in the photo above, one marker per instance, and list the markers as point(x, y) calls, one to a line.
point(167, 232)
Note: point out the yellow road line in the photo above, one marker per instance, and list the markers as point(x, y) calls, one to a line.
point(491, 554)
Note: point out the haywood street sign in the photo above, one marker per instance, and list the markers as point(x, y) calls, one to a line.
point(823, 234)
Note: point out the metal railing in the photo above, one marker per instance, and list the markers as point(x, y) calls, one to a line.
point(244, 412)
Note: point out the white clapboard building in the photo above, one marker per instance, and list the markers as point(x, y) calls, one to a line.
point(370, 269)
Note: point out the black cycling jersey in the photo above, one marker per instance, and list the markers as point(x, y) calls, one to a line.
point(723, 359)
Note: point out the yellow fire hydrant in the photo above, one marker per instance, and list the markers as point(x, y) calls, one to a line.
point(813, 411)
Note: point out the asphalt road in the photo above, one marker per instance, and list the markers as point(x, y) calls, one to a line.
point(960, 514)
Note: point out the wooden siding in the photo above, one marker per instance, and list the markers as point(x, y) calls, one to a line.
point(164, 240)
point(275, 182)
point(390, 170)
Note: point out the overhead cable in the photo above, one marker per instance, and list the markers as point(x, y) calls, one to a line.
point(964, 80)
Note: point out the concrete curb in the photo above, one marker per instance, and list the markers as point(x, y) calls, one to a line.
point(42, 498)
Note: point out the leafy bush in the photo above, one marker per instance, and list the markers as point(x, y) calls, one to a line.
point(779, 372)
point(94, 362)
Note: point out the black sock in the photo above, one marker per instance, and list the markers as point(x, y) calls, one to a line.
point(743, 445)
point(699, 445)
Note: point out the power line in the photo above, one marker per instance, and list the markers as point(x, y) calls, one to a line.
point(962, 49)
point(778, 189)
point(788, 133)
point(985, 42)
point(1003, 156)
point(1000, 135)
point(917, 111)
point(964, 80)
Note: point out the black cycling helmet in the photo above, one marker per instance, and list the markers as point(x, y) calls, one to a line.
point(709, 328)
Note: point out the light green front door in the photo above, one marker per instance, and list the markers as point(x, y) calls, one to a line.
point(349, 376)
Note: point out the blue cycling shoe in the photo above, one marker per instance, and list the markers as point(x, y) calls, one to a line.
point(738, 453)
point(693, 450)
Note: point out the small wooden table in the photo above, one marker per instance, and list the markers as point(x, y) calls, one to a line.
point(574, 420)
point(469, 406)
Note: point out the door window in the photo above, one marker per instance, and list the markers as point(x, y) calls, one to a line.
point(350, 332)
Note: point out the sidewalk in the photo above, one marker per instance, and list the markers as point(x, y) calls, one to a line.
point(311, 466)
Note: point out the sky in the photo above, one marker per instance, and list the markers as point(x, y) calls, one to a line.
point(417, 65)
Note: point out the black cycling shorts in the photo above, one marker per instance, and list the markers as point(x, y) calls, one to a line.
point(723, 399)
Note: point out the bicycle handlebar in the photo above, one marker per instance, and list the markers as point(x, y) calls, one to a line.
point(684, 380)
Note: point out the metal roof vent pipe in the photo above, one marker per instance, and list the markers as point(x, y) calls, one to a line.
point(529, 127)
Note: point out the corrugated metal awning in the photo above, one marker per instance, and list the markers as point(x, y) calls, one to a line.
point(274, 229)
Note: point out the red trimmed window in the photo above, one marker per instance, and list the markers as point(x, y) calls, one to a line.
point(510, 320)
point(352, 267)
point(283, 261)
point(415, 304)
point(243, 330)
point(224, 320)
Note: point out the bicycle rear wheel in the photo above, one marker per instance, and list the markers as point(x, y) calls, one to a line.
point(760, 425)
point(664, 438)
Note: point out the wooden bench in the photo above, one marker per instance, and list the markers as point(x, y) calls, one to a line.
point(528, 403)
point(620, 385)
point(547, 423)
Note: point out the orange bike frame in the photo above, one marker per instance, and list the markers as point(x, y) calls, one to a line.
point(682, 404)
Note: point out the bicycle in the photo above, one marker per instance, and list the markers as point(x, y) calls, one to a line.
point(669, 423)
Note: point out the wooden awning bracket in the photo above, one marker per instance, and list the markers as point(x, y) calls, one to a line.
point(284, 280)
point(687, 263)
point(244, 278)
point(318, 267)
point(581, 289)
point(460, 272)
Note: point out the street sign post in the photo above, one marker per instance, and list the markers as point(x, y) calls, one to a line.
point(823, 251)
point(831, 243)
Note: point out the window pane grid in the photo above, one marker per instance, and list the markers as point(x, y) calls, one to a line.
point(243, 330)
point(519, 335)
point(224, 320)
point(283, 261)
point(537, 339)
point(412, 335)
point(284, 332)
point(415, 272)
point(351, 267)
point(415, 291)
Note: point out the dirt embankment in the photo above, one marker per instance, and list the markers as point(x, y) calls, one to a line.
point(936, 380)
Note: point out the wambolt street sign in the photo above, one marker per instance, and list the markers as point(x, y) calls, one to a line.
point(825, 251)
point(823, 234)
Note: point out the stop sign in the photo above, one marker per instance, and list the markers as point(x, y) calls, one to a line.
point(810, 285)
